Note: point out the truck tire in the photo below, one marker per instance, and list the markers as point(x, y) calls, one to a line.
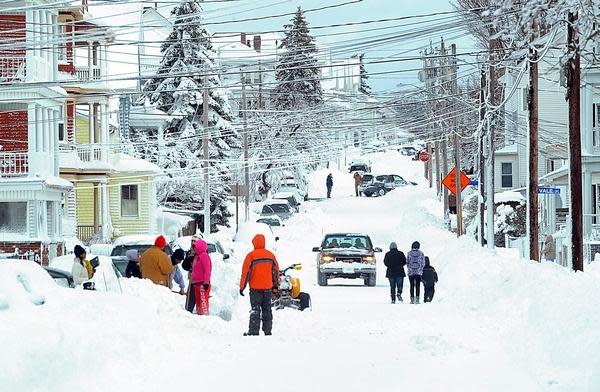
point(321, 278)
point(381, 192)
point(371, 280)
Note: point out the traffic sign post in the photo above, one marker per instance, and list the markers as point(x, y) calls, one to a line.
point(424, 156)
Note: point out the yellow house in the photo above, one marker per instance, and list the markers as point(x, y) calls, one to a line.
point(114, 194)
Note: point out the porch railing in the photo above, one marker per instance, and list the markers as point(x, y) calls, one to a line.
point(86, 232)
point(12, 69)
point(85, 73)
point(14, 163)
point(89, 152)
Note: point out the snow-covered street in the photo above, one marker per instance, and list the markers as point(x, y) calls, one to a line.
point(497, 323)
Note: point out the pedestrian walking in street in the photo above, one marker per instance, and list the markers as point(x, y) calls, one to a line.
point(549, 251)
point(176, 258)
point(261, 272)
point(155, 264)
point(429, 278)
point(329, 184)
point(82, 269)
point(415, 262)
point(357, 180)
point(201, 272)
point(395, 261)
point(133, 265)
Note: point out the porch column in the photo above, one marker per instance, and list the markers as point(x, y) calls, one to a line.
point(587, 203)
point(45, 131)
point(54, 141)
point(106, 223)
point(104, 124)
point(91, 123)
point(90, 59)
point(587, 137)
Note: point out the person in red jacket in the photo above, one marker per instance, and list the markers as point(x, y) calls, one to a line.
point(261, 272)
point(201, 270)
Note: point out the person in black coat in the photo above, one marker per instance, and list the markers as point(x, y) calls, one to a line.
point(133, 265)
point(429, 279)
point(395, 261)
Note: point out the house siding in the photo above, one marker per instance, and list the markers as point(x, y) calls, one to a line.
point(85, 203)
point(142, 224)
point(82, 130)
point(14, 131)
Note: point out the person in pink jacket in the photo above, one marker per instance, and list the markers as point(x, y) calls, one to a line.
point(201, 270)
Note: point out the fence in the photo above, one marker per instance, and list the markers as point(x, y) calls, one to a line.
point(12, 69)
point(14, 163)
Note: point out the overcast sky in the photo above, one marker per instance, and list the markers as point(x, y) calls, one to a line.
point(340, 40)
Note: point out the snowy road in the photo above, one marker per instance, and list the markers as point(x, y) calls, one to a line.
point(497, 323)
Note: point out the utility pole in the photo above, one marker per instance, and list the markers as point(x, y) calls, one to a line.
point(246, 165)
point(429, 165)
point(489, 182)
point(444, 147)
point(533, 226)
point(574, 73)
point(438, 179)
point(457, 164)
point(205, 137)
point(482, 167)
point(260, 86)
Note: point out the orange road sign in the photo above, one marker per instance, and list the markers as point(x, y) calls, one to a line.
point(450, 181)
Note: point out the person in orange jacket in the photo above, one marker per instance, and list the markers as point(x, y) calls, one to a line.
point(261, 272)
point(155, 264)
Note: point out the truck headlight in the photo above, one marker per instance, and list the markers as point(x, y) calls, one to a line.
point(326, 259)
point(369, 259)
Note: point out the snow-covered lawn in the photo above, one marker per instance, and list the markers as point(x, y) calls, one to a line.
point(497, 323)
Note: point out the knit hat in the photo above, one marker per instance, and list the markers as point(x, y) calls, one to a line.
point(416, 245)
point(393, 245)
point(160, 241)
point(179, 255)
point(78, 251)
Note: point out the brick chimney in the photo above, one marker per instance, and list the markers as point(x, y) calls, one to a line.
point(243, 38)
point(257, 43)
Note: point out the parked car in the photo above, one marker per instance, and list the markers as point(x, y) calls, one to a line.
point(346, 255)
point(289, 184)
point(385, 183)
point(281, 208)
point(62, 278)
point(141, 243)
point(292, 198)
point(106, 275)
point(272, 221)
point(408, 151)
point(360, 166)
point(366, 181)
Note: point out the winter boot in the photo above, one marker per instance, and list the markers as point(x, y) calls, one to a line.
point(250, 334)
point(399, 297)
point(416, 300)
point(412, 300)
point(393, 301)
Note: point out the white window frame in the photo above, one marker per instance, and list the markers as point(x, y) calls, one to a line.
point(24, 229)
point(502, 174)
point(121, 200)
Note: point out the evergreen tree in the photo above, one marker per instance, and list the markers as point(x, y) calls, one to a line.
point(297, 73)
point(364, 87)
point(177, 89)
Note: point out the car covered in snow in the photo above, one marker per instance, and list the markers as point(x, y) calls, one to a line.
point(346, 255)
point(293, 199)
point(360, 166)
point(383, 184)
point(408, 150)
point(106, 273)
point(272, 220)
point(62, 278)
point(141, 243)
point(278, 207)
point(289, 184)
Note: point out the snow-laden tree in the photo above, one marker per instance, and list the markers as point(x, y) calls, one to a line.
point(364, 75)
point(297, 73)
point(177, 89)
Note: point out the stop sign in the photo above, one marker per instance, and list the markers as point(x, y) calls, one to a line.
point(424, 156)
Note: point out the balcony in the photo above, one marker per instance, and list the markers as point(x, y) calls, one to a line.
point(12, 69)
point(90, 153)
point(87, 74)
point(14, 164)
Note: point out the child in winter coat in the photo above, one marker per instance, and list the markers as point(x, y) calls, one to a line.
point(415, 262)
point(201, 271)
point(133, 266)
point(429, 279)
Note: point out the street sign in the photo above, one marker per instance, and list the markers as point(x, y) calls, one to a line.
point(450, 181)
point(549, 191)
point(424, 156)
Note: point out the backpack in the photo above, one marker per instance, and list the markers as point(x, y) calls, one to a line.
point(188, 262)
